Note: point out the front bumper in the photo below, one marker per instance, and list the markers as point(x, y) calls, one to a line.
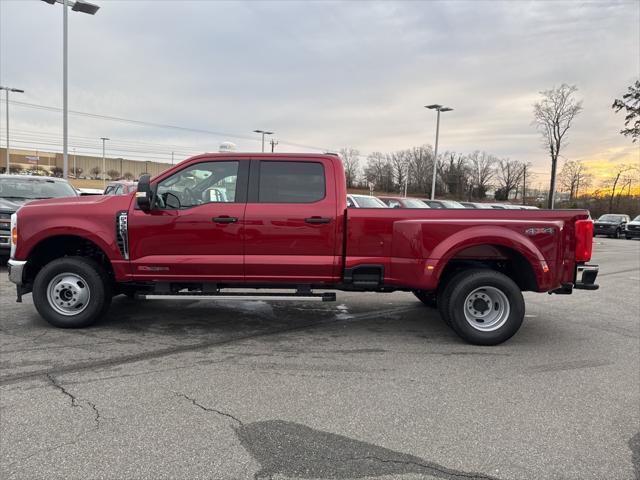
point(5, 241)
point(632, 233)
point(586, 277)
point(16, 270)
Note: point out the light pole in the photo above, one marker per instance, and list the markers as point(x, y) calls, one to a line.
point(104, 174)
point(7, 90)
point(77, 6)
point(438, 108)
point(263, 132)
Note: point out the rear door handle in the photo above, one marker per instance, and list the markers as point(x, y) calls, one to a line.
point(225, 219)
point(316, 220)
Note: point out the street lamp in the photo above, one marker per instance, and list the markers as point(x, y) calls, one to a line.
point(104, 174)
point(16, 90)
point(77, 6)
point(438, 108)
point(263, 132)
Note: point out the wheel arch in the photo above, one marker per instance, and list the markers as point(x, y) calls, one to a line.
point(58, 246)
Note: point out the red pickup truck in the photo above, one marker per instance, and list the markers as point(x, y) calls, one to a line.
point(217, 223)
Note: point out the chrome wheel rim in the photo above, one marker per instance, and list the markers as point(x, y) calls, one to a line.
point(68, 294)
point(486, 309)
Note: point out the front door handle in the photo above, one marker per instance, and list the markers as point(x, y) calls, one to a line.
point(225, 219)
point(317, 220)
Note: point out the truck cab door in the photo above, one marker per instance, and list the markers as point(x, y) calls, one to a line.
point(195, 228)
point(290, 222)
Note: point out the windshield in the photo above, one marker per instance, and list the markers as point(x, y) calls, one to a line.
point(413, 203)
point(610, 218)
point(451, 204)
point(637, 219)
point(369, 202)
point(31, 188)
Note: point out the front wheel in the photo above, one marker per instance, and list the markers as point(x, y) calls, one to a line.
point(484, 307)
point(72, 292)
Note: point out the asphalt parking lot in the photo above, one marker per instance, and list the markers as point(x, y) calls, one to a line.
point(371, 386)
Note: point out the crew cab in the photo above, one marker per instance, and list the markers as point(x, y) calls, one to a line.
point(284, 224)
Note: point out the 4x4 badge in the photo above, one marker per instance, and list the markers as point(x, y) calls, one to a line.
point(539, 230)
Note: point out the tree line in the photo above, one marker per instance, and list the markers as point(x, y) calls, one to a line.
point(470, 176)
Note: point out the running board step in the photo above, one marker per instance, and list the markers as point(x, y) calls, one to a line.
point(306, 297)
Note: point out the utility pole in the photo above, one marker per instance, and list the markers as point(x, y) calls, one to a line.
point(7, 90)
point(524, 186)
point(104, 174)
point(171, 158)
point(75, 168)
point(406, 181)
point(273, 145)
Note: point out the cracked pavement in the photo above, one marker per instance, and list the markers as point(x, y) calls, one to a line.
point(373, 386)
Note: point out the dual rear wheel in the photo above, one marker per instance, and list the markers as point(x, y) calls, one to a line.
point(482, 306)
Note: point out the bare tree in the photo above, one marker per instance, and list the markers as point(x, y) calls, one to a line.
point(454, 170)
point(399, 162)
point(95, 171)
point(128, 176)
point(572, 176)
point(56, 171)
point(420, 169)
point(351, 161)
point(113, 174)
point(631, 103)
point(509, 175)
point(623, 175)
point(379, 172)
point(482, 167)
point(553, 116)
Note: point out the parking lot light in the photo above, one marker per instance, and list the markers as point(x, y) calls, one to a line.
point(7, 90)
point(82, 7)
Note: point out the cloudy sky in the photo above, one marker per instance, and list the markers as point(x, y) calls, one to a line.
point(322, 75)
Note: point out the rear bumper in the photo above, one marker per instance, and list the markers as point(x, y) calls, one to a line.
point(586, 277)
point(608, 230)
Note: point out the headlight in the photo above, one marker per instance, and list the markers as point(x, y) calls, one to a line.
point(14, 233)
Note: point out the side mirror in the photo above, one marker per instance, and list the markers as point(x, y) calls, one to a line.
point(144, 195)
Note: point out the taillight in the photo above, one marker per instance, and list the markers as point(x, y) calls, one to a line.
point(584, 240)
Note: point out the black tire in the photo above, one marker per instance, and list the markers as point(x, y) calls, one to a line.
point(428, 298)
point(444, 294)
point(487, 283)
point(92, 277)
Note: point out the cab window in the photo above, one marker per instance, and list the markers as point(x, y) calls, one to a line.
point(291, 182)
point(199, 184)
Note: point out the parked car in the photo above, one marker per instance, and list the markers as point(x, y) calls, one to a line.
point(288, 226)
point(16, 190)
point(469, 205)
point(120, 187)
point(611, 224)
point(442, 203)
point(364, 201)
point(403, 202)
point(633, 229)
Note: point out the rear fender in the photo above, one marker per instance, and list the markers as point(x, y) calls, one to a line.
point(438, 243)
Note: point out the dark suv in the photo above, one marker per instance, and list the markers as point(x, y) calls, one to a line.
point(612, 224)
